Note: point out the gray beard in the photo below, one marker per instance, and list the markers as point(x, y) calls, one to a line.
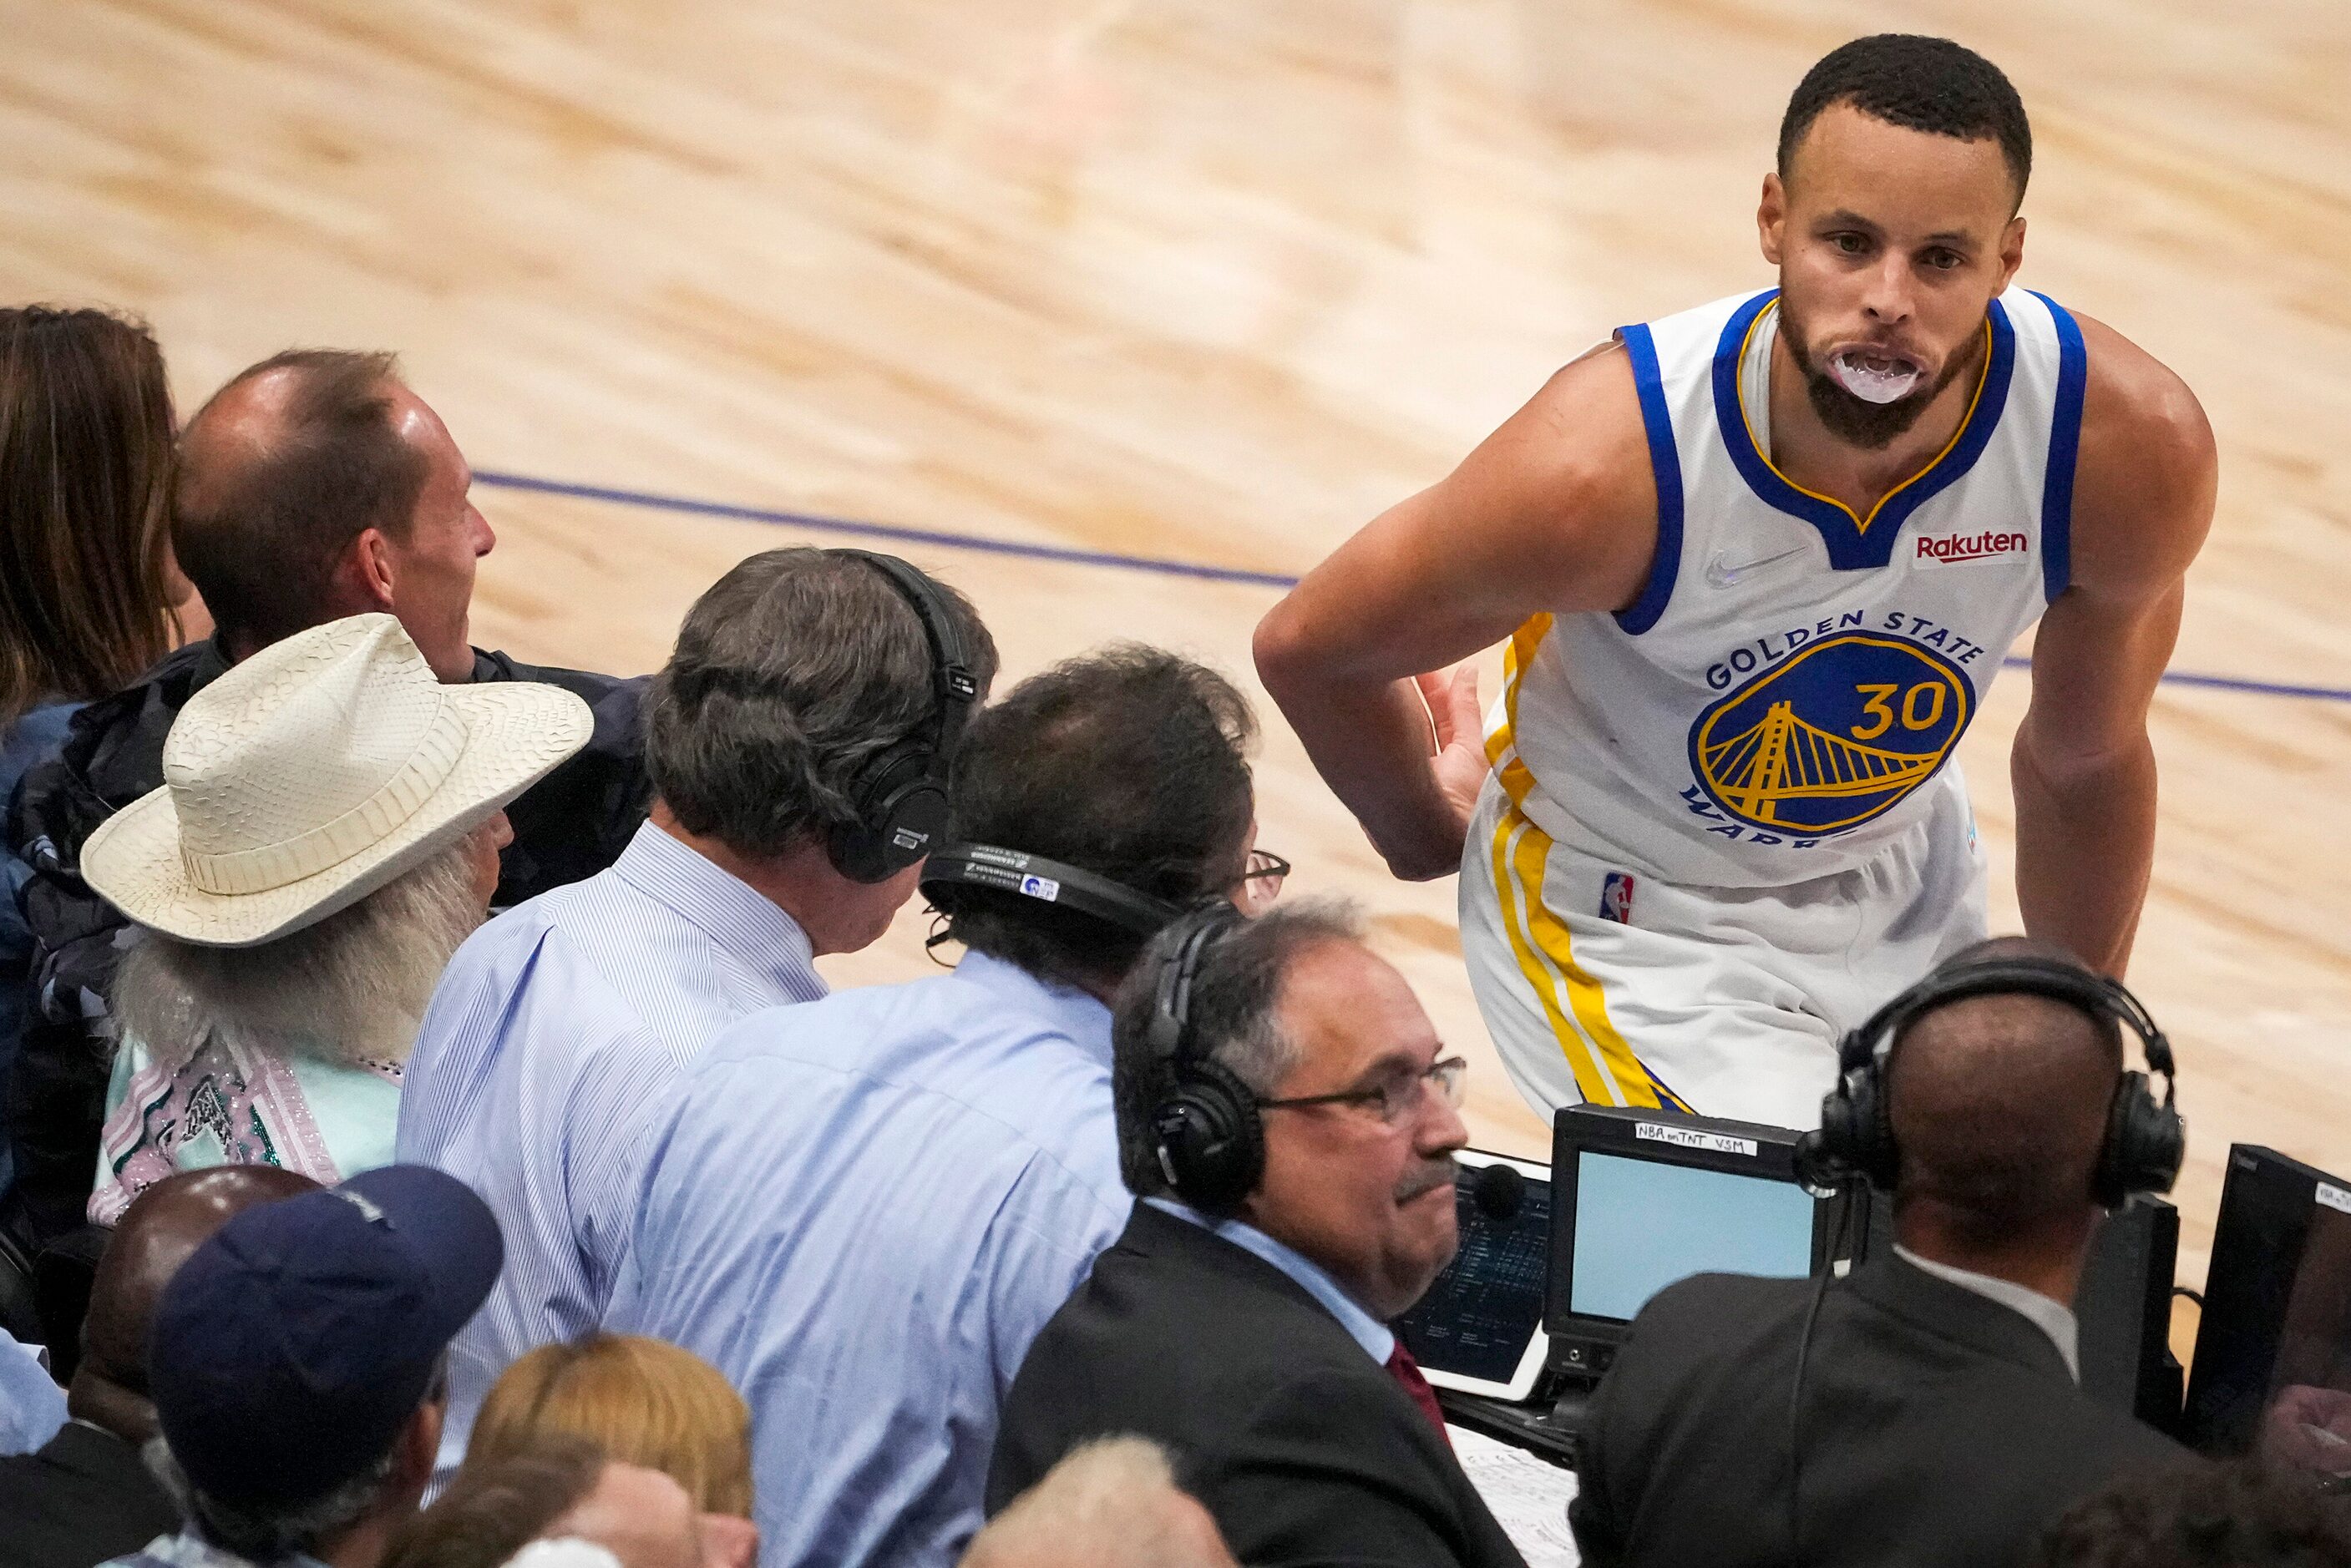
point(1858, 421)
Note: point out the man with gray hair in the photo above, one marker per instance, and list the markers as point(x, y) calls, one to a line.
point(797, 740)
point(1288, 1117)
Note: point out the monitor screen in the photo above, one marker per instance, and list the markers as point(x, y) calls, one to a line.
point(1476, 1319)
point(2273, 1367)
point(1642, 1224)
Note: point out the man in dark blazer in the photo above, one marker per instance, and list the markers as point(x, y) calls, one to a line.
point(1940, 1421)
point(1241, 1319)
point(86, 1497)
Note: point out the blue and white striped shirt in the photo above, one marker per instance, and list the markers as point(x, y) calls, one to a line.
point(862, 1212)
point(553, 1036)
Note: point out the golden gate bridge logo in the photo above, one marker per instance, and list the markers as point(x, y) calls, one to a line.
point(1831, 737)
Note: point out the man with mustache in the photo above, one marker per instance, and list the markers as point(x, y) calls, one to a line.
point(1758, 564)
point(1287, 1116)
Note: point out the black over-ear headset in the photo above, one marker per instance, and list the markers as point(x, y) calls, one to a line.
point(2146, 1138)
point(1205, 1129)
point(900, 797)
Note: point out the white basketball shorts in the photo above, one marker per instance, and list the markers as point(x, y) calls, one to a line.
point(1602, 983)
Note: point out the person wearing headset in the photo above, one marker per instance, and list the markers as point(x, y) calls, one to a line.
point(797, 742)
point(1926, 1409)
point(861, 1211)
point(1288, 1118)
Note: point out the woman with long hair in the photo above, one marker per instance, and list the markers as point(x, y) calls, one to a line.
point(90, 593)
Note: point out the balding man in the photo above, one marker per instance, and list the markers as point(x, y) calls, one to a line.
point(1939, 1420)
point(313, 487)
point(86, 1497)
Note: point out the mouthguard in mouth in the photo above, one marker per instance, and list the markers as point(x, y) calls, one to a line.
point(1873, 379)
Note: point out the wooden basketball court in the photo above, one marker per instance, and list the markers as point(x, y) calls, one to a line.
point(1213, 283)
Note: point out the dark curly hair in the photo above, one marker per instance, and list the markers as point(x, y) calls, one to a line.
point(2243, 1514)
point(1130, 762)
point(1924, 84)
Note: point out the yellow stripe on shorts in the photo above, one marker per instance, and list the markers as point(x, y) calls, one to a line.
point(1605, 1068)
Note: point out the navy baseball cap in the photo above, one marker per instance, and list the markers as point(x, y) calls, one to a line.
point(291, 1347)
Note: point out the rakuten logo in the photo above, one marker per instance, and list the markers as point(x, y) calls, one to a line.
point(1953, 548)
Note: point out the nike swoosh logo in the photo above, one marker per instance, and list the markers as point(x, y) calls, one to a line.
point(1723, 573)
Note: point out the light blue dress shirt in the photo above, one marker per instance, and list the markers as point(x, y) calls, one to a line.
point(32, 1406)
point(544, 1056)
point(862, 1212)
point(1377, 1338)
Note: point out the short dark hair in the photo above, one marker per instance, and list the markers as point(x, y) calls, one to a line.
point(492, 1511)
point(1920, 83)
point(791, 673)
point(1230, 1017)
point(2242, 1514)
point(261, 532)
point(1130, 762)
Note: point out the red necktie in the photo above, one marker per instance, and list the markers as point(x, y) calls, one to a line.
point(1406, 1372)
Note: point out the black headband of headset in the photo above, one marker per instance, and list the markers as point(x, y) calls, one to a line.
point(1171, 1013)
point(1049, 881)
point(951, 678)
point(2103, 1000)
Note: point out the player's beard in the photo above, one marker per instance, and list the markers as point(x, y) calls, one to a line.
point(1857, 420)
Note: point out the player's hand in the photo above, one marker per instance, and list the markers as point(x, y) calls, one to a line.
point(1457, 765)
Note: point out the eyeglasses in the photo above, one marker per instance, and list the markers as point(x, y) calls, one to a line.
point(1261, 882)
point(1396, 1098)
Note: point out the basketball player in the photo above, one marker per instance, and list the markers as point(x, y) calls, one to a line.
point(1758, 564)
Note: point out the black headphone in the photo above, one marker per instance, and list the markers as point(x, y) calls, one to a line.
point(1205, 1129)
point(899, 798)
point(1049, 881)
point(2146, 1138)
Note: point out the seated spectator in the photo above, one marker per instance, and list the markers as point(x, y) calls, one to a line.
point(1936, 1420)
point(642, 1402)
point(935, 1162)
point(299, 1369)
point(561, 1492)
point(806, 685)
point(32, 1406)
point(1112, 1504)
point(90, 591)
point(2245, 1514)
point(312, 487)
point(86, 1497)
point(327, 834)
point(1287, 1119)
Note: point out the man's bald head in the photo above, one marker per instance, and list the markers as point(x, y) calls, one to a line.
point(167, 1223)
point(1998, 1105)
point(280, 473)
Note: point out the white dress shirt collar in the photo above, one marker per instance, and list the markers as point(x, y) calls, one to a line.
point(1377, 1339)
point(2049, 1318)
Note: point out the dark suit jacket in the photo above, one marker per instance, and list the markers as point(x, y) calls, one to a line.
point(80, 1500)
point(1305, 1449)
point(1937, 1426)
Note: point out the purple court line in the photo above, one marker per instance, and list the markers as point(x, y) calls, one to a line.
point(1155, 564)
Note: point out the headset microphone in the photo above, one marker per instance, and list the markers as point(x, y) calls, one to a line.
point(1027, 876)
point(1499, 1191)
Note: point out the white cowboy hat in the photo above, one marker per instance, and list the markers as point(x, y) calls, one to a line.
point(314, 773)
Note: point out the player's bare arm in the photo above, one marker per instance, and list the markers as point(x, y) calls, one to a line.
point(1555, 511)
point(2083, 767)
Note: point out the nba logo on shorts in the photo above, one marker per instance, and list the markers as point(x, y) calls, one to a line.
point(1616, 898)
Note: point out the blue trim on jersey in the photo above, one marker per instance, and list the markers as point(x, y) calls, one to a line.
point(1855, 544)
point(1666, 463)
point(2065, 445)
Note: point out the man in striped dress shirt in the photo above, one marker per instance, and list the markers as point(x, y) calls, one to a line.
point(558, 1027)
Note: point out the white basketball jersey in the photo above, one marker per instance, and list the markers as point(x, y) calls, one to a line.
point(1793, 679)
